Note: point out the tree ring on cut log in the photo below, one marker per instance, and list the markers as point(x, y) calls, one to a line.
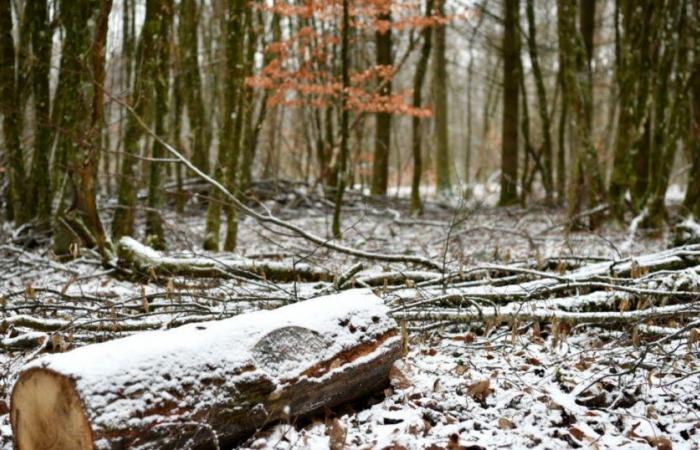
point(51, 415)
point(285, 349)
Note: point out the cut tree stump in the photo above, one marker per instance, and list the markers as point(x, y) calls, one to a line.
point(153, 263)
point(210, 384)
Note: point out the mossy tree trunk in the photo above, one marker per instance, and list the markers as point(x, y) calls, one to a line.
point(11, 112)
point(161, 75)
point(585, 190)
point(77, 222)
point(691, 202)
point(227, 130)
point(142, 103)
point(196, 112)
point(542, 104)
point(40, 181)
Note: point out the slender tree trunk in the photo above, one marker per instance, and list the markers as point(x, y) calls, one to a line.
point(344, 120)
point(585, 182)
point(442, 144)
point(77, 221)
point(542, 105)
point(154, 221)
point(691, 202)
point(417, 138)
point(511, 88)
point(227, 154)
point(10, 108)
point(189, 45)
point(40, 181)
point(382, 143)
point(142, 102)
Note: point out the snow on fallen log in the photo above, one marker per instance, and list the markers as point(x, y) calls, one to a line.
point(207, 384)
point(154, 264)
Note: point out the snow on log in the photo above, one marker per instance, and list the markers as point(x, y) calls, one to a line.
point(153, 263)
point(209, 384)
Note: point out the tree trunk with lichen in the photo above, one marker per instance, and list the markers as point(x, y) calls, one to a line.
point(585, 190)
point(77, 222)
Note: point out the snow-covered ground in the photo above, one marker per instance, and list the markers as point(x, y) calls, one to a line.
point(519, 390)
point(456, 387)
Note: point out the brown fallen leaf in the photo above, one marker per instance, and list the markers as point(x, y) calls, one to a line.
point(660, 442)
point(336, 434)
point(505, 424)
point(479, 390)
point(577, 433)
point(397, 377)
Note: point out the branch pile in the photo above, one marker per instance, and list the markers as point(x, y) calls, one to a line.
point(638, 291)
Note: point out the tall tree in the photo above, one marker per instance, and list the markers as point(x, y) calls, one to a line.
point(41, 38)
point(416, 132)
point(585, 181)
point(154, 221)
point(440, 93)
point(10, 109)
point(142, 104)
point(77, 221)
point(511, 92)
point(189, 59)
point(382, 143)
point(227, 155)
point(344, 119)
point(542, 103)
point(691, 202)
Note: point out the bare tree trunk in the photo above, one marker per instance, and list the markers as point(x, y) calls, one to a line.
point(542, 105)
point(227, 134)
point(443, 160)
point(417, 135)
point(154, 221)
point(344, 121)
point(511, 88)
point(382, 143)
point(11, 111)
point(40, 181)
point(77, 220)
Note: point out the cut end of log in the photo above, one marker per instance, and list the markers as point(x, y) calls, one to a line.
point(48, 414)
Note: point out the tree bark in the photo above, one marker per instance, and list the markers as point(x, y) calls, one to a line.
point(344, 120)
point(542, 104)
point(161, 82)
point(382, 143)
point(416, 132)
point(77, 221)
point(208, 384)
point(142, 100)
point(11, 111)
point(442, 144)
point(40, 181)
point(511, 92)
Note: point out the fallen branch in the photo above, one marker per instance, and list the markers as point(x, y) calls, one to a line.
point(152, 263)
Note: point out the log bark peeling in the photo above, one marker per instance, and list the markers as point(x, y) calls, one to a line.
point(210, 384)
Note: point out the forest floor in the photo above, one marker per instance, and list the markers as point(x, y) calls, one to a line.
point(458, 386)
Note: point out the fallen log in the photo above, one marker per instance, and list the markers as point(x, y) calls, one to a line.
point(153, 263)
point(210, 384)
